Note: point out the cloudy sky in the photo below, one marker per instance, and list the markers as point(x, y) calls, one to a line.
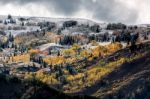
point(126, 11)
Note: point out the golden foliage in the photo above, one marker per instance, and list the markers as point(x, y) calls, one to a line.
point(75, 47)
point(34, 51)
point(96, 52)
point(69, 52)
point(85, 53)
point(74, 77)
point(113, 47)
point(71, 60)
point(91, 76)
point(20, 58)
point(106, 50)
point(55, 60)
point(45, 78)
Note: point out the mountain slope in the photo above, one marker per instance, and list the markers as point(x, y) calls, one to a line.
point(14, 88)
point(130, 80)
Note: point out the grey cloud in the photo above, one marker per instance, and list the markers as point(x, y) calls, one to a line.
point(67, 7)
point(103, 10)
point(113, 11)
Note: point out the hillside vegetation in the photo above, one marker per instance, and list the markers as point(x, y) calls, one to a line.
point(130, 80)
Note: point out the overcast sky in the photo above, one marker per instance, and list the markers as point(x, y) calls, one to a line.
point(126, 11)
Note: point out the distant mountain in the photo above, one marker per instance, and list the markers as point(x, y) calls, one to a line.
point(56, 20)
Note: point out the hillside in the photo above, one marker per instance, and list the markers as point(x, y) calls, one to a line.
point(14, 88)
point(71, 59)
point(130, 80)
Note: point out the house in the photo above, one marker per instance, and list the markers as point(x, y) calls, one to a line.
point(51, 48)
